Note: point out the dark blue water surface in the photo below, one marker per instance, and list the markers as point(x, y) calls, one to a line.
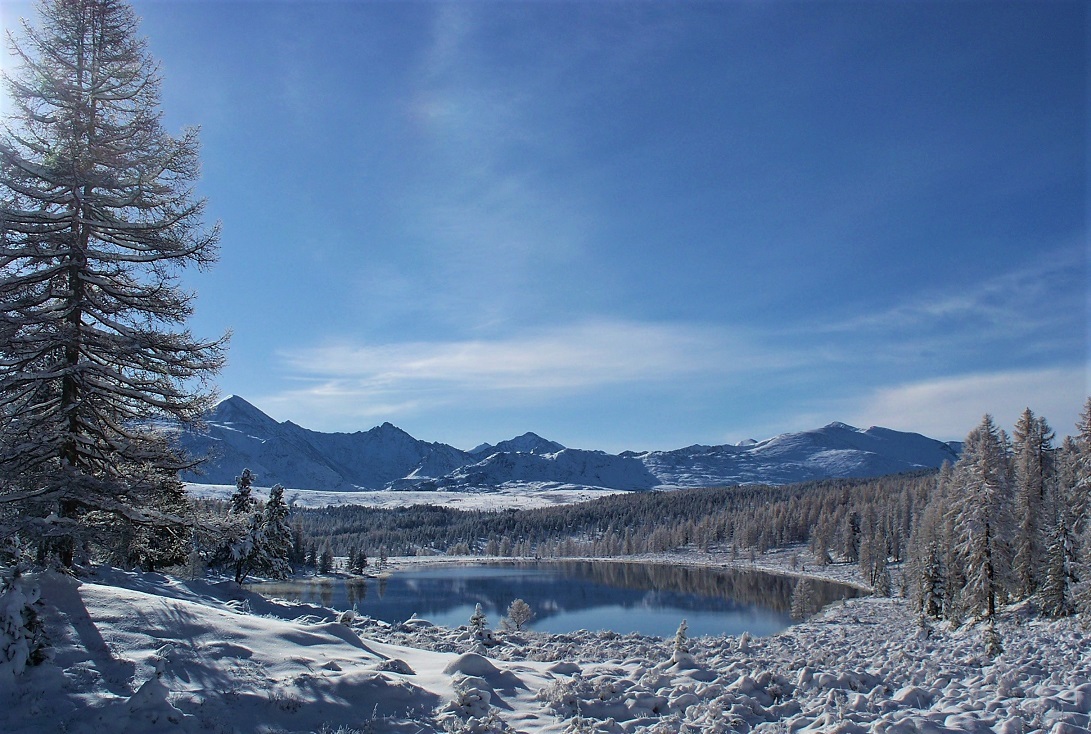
point(568, 596)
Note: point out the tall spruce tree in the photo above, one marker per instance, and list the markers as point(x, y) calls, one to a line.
point(982, 521)
point(97, 220)
point(1078, 498)
point(1032, 455)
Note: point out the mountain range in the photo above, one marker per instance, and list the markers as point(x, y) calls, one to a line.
point(237, 435)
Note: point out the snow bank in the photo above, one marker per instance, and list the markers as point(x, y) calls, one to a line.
point(147, 653)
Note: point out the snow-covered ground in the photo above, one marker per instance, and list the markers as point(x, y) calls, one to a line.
point(150, 653)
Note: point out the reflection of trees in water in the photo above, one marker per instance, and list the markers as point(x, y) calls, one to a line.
point(557, 587)
point(355, 591)
point(744, 588)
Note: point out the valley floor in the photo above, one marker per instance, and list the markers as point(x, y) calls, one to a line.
point(151, 653)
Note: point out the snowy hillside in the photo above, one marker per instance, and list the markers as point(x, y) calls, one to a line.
point(386, 457)
point(836, 450)
point(567, 466)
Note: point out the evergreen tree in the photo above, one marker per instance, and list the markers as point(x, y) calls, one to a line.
point(299, 550)
point(982, 518)
point(1031, 467)
point(850, 537)
point(325, 561)
point(273, 546)
point(261, 542)
point(240, 529)
point(927, 560)
point(478, 623)
point(242, 501)
point(1060, 564)
point(1077, 483)
point(97, 219)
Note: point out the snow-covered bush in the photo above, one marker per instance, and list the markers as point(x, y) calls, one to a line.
point(22, 638)
point(519, 613)
point(991, 638)
point(470, 710)
point(681, 654)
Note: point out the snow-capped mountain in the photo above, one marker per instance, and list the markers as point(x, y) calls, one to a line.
point(239, 435)
point(528, 443)
point(836, 450)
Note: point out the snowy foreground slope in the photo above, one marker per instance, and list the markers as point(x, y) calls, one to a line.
point(239, 435)
point(148, 653)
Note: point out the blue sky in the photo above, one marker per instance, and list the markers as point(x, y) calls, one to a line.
point(628, 225)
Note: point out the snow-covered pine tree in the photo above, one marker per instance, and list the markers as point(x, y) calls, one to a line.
point(1031, 464)
point(273, 546)
point(1059, 578)
point(850, 537)
point(299, 550)
point(240, 528)
point(242, 501)
point(681, 644)
point(1077, 481)
point(325, 561)
point(478, 623)
point(926, 555)
point(97, 219)
point(981, 512)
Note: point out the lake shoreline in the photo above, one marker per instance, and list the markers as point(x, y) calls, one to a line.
point(777, 562)
point(644, 595)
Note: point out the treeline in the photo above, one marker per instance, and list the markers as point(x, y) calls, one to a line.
point(1008, 521)
point(843, 518)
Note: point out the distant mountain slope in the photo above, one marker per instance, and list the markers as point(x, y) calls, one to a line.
point(240, 436)
point(836, 450)
point(528, 443)
point(567, 466)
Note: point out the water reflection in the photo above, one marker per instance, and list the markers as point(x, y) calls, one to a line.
point(566, 596)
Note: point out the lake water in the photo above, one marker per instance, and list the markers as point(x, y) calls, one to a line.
point(568, 596)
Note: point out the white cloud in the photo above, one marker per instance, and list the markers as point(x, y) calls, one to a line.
point(528, 369)
point(947, 408)
point(1022, 301)
point(576, 356)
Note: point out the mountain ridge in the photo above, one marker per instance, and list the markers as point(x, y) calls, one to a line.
point(237, 434)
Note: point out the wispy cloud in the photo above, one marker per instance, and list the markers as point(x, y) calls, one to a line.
point(526, 369)
point(1020, 301)
point(949, 407)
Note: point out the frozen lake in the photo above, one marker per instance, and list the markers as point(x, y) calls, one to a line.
point(567, 596)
